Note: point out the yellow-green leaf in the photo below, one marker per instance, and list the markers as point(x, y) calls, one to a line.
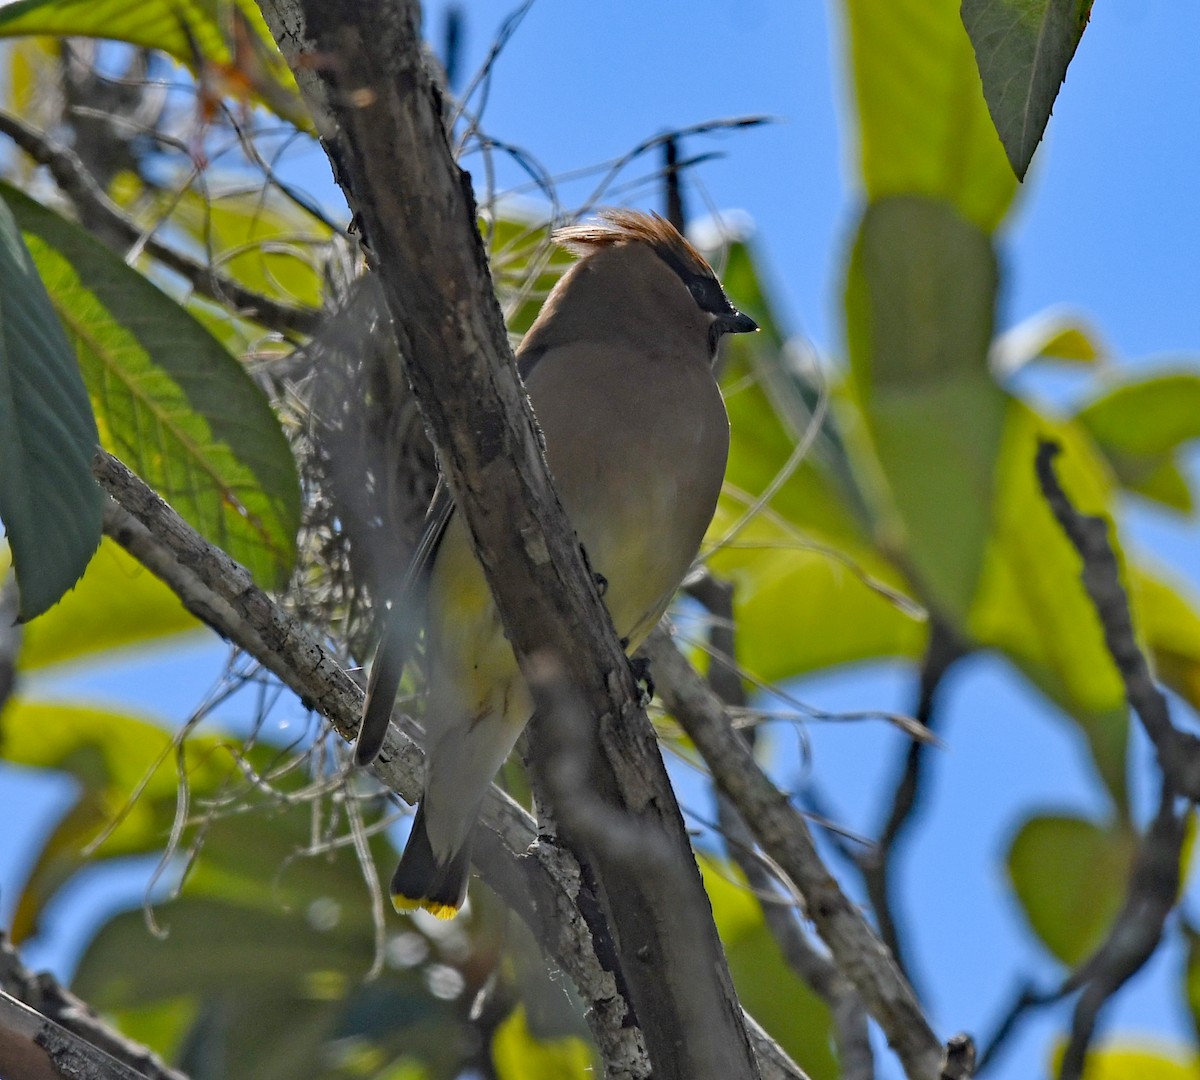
point(117, 603)
point(1117, 1062)
point(771, 992)
point(167, 25)
point(170, 400)
point(1049, 335)
point(1171, 623)
point(1070, 877)
point(110, 754)
point(517, 1055)
point(924, 127)
point(919, 306)
point(1031, 605)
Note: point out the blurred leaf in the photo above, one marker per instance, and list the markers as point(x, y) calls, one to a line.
point(525, 266)
point(161, 1026)
point(171, 401)
point(771, 992)
point(117, 603)
point(1171, 622)
point(1031, 604)
point(1139, 425)
point(1070, 877)
point(166, 25)
point(800, 611)
point(1115, 1062)
point(257, 236)
point(49, 504)
point(260, 1017)
point(924, 126)
point(1145, 416)
point(272, 946)
point(1191, 982)
point(1056, 334)
point(109, 754)
point(1023, 48)
point(803, 563)
point(31, 62)
point(919, 302)
point(517, 1055)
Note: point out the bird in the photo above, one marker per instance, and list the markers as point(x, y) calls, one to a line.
point(619, 368)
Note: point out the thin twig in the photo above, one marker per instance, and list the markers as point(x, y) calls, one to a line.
point(60, 1028)
point(540, 882)
point(782, 832)
point(77, 183)
point(813, 966)
point(876, 862)
point(1178, 751)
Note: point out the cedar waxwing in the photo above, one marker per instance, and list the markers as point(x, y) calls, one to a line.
point(619, 370)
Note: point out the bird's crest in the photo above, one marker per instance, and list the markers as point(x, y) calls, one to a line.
point(634, 226)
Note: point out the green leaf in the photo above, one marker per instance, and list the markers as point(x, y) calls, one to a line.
point(165, 25)
point(1139, 424)
point(771, 992)
point(117, 603)
point(1023, 48)
point(49, 504)
point(1070, 877)
point(110, 755)
point(800, 611)
point(919, 306)
point(1031, 605)
point(272, 946)
point(1145, 416)
point(1171, 621)
point(1050, 335)
point(924, 127)
point(517, 1055)
point(171, 401)
point(256, 236)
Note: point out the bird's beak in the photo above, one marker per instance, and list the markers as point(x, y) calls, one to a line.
point(737, 323)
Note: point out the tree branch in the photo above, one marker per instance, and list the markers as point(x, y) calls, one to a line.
point(56, 1032)
point(1178, 751)
point(540, 882)
point(876, 863)
point(818, 971)
point(782, 833)
point(71, 174)
point(381, 121)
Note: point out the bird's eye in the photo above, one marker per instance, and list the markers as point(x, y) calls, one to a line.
point(698, 291)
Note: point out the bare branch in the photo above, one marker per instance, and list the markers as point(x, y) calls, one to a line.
point(542, 883)
point(48, 1032)
point(78, 184)
point(851, 1033)
point(1178, 751)
point(1135, 933)
point(876, 862)
point(783, 834)
point(381, 122)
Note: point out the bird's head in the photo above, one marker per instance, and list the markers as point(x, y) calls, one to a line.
point(644, 272)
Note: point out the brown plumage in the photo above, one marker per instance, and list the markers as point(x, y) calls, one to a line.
point(618, 369)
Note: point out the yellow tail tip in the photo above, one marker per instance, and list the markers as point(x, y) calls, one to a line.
point(436, 908)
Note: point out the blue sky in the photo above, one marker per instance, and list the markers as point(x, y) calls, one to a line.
point(1107, 223)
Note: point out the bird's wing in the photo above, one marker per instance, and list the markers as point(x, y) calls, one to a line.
point(400, 629)
point(402, 624)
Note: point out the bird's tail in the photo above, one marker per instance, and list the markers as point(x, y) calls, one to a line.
point(423, 880)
